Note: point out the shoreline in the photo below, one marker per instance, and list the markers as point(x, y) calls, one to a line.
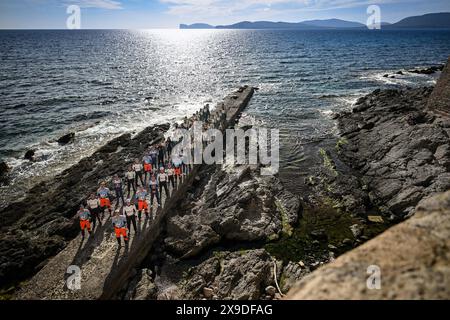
point(327, 185)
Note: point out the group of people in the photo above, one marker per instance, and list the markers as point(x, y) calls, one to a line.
point(156, 173)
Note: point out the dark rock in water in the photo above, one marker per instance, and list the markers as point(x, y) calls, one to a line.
point(427, 71)
point(399, 73)
point(29, 155)
point(67, 138)
point(386, 75)
point(4, 170)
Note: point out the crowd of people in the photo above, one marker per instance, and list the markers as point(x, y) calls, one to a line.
point(159, 172)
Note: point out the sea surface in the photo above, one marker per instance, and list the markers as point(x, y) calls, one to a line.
point(101, 84)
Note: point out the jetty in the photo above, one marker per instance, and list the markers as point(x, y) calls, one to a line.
point(103, 268)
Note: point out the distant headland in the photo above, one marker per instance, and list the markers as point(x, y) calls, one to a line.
point(432, 20)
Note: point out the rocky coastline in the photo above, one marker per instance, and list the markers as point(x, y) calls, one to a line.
point(391, 153)
point(239, 235)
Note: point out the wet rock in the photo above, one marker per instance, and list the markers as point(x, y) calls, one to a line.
point(232, 275)
point(439, 101)
point(67, 138)
point(4, 170)
point(429, 70)
point(29, 155)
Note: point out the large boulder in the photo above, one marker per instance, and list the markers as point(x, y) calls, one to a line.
point(235, 205)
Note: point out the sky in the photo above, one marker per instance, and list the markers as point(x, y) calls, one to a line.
point(149, 14)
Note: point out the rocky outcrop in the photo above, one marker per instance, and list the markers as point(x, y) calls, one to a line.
point(411, 260)
point(397, 151)
point(237, 276)
point(29, 155)
point(67, 138)
point(439, 100)
point(235, 204)
point(40, 225)
point(4, 171)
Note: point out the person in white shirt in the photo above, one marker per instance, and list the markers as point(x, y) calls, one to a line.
point(130, 213)
point(138, 168)
point(163, 178)
point(171, 174)
point(131, 176)
point(94, 207)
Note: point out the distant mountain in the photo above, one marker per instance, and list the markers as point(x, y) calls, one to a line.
point(431, 20)
point(196, 26)
point(333, 23)
point(265, 25)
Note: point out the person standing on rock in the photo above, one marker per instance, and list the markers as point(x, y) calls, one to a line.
point(154, 155)
point(130, 213)
point(138, 168)
point(141, 197)
point(154, 190)
point(148, 167)
point(118, 188)
point(177, 172)
point(120, 227)
point(131, 176)
point(104, 194)
point(171, 175)
point(162, 181)
point(169, 147)
point(85, 220)
point(161, 151)
point(94, 207)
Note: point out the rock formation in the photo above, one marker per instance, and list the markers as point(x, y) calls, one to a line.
point(413, 258)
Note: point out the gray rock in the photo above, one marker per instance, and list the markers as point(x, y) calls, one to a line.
point(234, 205)
point(236, 276)
point(142, 287)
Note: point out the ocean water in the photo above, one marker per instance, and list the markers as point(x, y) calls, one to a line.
point(101, 84)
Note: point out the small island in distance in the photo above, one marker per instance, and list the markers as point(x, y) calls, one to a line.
point(431, 20)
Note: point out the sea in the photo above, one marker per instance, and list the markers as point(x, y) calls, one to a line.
point(103, 83)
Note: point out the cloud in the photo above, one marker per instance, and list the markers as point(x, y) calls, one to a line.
point(223, 8)
point(100, 4)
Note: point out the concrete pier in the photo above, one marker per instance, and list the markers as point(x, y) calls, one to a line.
point(104, 268)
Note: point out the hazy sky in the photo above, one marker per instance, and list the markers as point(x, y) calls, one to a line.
point(143, 14)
